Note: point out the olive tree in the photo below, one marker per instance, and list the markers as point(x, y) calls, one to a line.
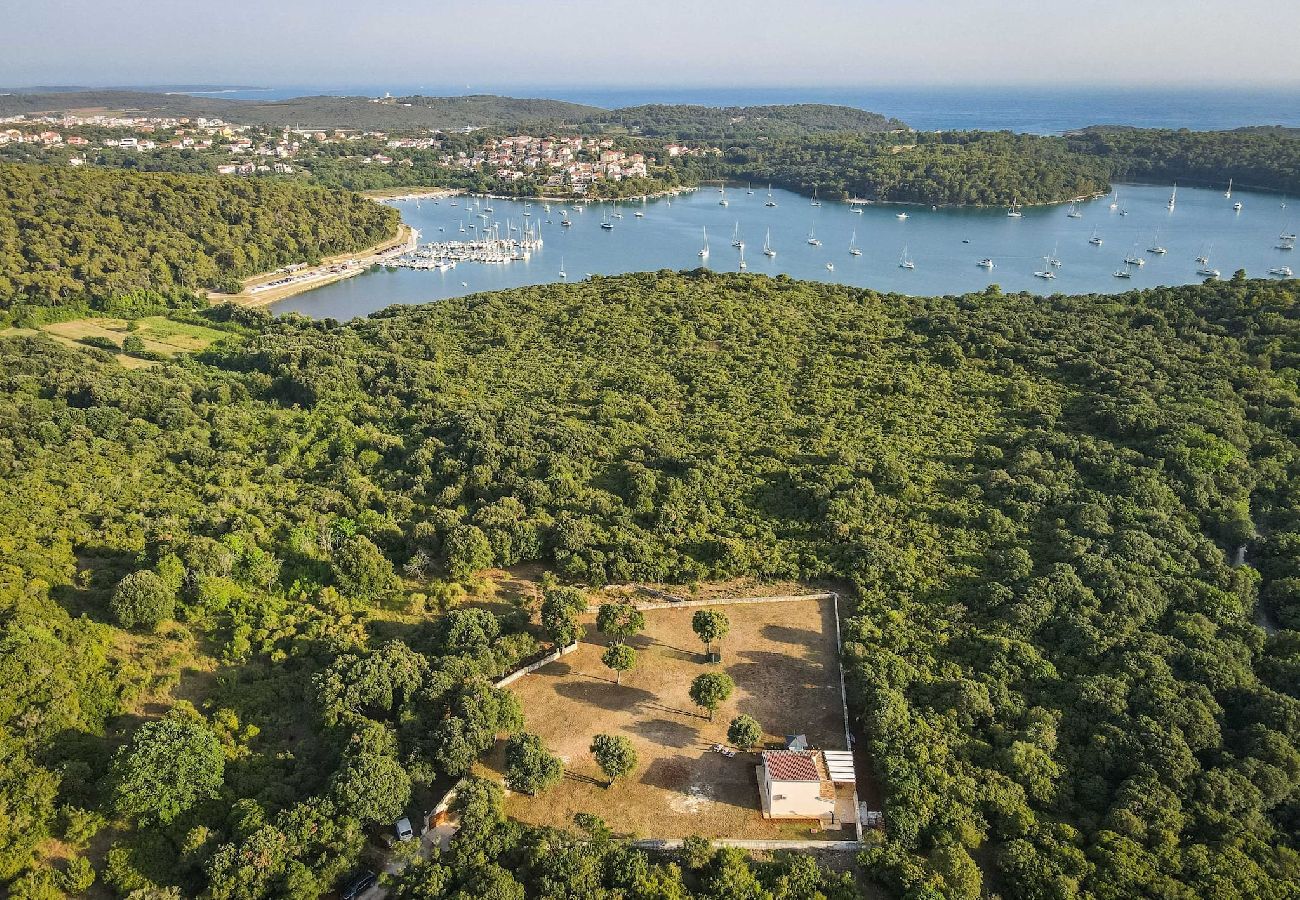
point(619, 657)
point(614, 754)
point(711, 690)
point(710, 626)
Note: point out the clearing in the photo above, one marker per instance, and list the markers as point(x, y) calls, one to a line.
point(782, 657)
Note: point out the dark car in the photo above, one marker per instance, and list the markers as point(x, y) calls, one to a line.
point(358, 884)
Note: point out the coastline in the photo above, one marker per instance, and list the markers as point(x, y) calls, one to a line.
point(257, 292)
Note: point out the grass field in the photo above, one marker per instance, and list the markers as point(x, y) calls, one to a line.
point(782, 658)
point(159, 334)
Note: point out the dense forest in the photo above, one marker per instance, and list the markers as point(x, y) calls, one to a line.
point(1258, 158)
point(740, 123)
point(111, 241)
point(233, 636)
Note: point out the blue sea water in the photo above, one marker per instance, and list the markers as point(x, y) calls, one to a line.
point(1036, 110)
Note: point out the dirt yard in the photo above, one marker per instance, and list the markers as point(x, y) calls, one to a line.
point(782, 658)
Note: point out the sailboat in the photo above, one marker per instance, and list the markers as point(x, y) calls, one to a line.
point(606, 223)
point(640, 213)
point(1074, 211)
point(1173, 198)
point(723, 191)
point(1126, 272)
point(1281, 271)
point(749, 189)
point(1014, 212)
point(1133, 259)
point(1236, 207)
point(770, 201)
point(1205, 266)
point(768, 250)
point(1155, 245)
point(743, 264)
point(830, 267)
point(735, 237)
point(815, 201)
point(856, 207)
point(1114, 199)
point(1227, 195)
point(813, 239)
point(905, 261)
point(1054, 261)
point(1046, 271)
point(564, 218)
point(563, 274)
point(1095, 240)
point(704, 251)
point(853, 244)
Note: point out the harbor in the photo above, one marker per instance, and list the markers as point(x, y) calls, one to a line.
point(1089, 246)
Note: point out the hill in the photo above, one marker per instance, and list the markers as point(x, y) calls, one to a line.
point(1033, 504)
point(727, 123)
point(109, 240)
point(313, 112)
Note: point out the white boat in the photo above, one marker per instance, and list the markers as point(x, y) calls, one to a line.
point(1054, 261)
point(1173, 198)
point(1114, 200)
point(905, 261)
point(856, 207)
point(1280, 271)
point(1125, 272)
point(770, 201)
point(749, 189)
point(813, 239)
point(723, 191)
point(743, 265)
point(1135, 260)
point(704, 251)
point(830, 267)
point(1074, 211)
point(1236, 207)
point(606, 223)
point(1155, 245)
point(1095, 240)
point(1228, 193)
point(1014, 212)
point(735, 237)
point(1206, 269)
point(985, 263)
point(902, 216)
point(1046, 272)
point(853, 244)
point(640, 213)
point(563, 274)
point(768, 250)
point(815, 201)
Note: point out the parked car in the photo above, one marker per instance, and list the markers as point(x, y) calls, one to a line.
point(357, 884)
point(404, 830)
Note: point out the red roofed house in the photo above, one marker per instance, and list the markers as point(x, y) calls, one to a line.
point(800, 784)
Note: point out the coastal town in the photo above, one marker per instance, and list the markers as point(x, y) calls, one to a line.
point(554, 165)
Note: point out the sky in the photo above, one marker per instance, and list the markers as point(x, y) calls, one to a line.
point(795, 43)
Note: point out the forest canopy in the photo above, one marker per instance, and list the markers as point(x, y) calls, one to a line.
point(109, 240)
point(1069, 682)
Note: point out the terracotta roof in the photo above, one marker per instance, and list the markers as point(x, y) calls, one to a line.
point(792, 765)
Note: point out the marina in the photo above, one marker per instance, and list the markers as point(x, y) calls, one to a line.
point(1132, 239)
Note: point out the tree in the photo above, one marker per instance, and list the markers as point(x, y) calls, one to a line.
point(619, 657)
point(744, 732)
point(710, 625)
point(372, 787)
point(711, 690)
point(141, 599)
point(559, 615)
point(614, 754)
point(530, 767)
point(362, 571)
point(467, 550)
point(170, 764)
point(620, 620)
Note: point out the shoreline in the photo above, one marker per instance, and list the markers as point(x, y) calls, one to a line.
point(255, 294)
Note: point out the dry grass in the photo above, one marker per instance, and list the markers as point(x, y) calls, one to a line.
point(782, 658)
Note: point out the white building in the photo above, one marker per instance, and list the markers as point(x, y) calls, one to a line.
point(801, 784)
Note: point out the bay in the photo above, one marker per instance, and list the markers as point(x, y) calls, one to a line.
point(946, 245)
